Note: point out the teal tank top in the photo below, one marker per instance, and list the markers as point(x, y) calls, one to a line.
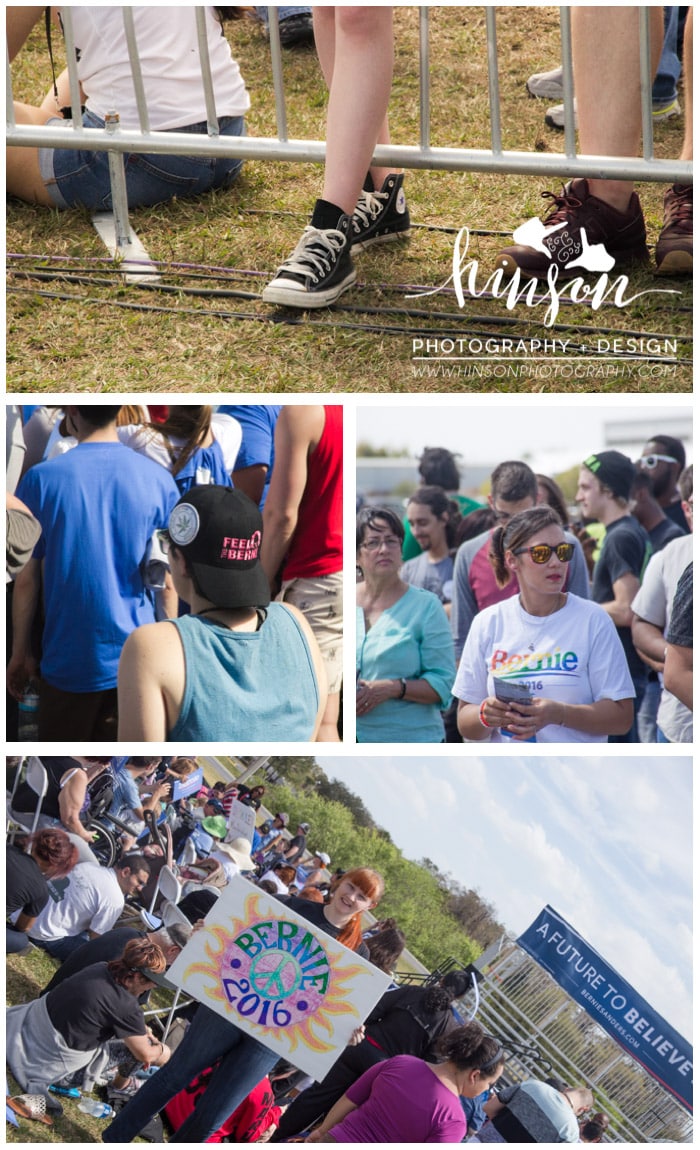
point(246, 685)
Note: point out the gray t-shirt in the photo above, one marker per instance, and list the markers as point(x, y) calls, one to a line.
point(435, 577)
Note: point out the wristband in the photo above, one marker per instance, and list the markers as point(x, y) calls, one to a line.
point(403, 688)
point(482, 720)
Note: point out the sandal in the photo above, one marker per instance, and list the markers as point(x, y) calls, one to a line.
point(30, 1106)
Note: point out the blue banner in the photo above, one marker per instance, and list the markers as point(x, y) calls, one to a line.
point(612, 1002)
point(191, 785)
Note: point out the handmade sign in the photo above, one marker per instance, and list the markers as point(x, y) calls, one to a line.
point(278, 977)
point(241, 822)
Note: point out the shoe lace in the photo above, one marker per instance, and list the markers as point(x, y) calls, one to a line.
point(316, 252)
point(368, 207)
point(565, 203)
point(679, 205)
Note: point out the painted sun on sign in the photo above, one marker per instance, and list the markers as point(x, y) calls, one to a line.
point(278, 977)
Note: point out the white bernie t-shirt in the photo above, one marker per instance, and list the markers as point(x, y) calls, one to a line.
point(573, 656)
point(89, 898)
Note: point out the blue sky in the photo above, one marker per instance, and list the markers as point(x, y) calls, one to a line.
point(606, 842)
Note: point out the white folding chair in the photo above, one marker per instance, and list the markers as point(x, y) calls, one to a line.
point(36, 778)
point(169, 888)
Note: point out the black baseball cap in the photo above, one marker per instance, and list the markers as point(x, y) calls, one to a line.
point(219, 532)
point(614, 470)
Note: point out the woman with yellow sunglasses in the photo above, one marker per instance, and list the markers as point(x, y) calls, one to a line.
point(544, 665)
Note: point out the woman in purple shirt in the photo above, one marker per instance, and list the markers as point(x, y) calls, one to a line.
point(407, 1100)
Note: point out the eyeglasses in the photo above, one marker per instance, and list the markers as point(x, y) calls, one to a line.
point(386, 541)
point(542, 552)
point(649, 462)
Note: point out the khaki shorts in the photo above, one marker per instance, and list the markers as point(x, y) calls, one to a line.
point(321, 603)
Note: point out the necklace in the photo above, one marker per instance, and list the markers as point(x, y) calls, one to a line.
point(561, 602)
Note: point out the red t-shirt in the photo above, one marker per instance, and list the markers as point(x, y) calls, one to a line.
point(316, 548)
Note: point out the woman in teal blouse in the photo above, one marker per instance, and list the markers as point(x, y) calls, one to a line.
point(405, 662)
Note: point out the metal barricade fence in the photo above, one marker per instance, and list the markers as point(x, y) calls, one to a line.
point(522, 1004)
point(422, 155)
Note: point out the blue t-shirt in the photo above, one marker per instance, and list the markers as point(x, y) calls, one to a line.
point(126, 797)
point(204, 467)
point(98, 507)
point(258, 447)
point(252, 685)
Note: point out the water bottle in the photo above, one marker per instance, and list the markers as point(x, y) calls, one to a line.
point(28, 729)
point(96, 1109)
point(66, 1091)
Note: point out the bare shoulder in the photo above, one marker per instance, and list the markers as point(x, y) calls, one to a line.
point(152, 639)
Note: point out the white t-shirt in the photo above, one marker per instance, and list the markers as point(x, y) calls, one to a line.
point(270, 876)
point(573, 656)
point(89, 898)
point(653, 603)
point(226, 431)
point(170, 64)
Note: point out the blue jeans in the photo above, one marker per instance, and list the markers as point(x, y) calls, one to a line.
point(62, 948)
point(664, 90)
point(646, 719)
point(244, 1063)
point(262, 13)
point(77, 177)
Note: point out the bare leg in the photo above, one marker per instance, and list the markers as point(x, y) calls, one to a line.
point(22, 177)
point(606, 70)
point(358, 57)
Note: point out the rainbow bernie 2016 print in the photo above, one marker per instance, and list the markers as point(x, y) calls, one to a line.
point(278, 977)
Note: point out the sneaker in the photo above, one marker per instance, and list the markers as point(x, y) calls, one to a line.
point(546, 85)
point(380, 216)
point(554, 116)
point(295, 30)
point(128, 1090)
point(674, 247)
point(559, 239)
point(661, 112)
point(318, 271)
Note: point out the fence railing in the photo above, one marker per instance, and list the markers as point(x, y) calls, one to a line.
point(422, 155)
point(521, 1001)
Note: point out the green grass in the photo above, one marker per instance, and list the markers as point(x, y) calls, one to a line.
point(94, 334)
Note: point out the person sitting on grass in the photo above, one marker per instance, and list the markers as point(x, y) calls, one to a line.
point(167, 43)
point(56, 1035)
point(49, 853)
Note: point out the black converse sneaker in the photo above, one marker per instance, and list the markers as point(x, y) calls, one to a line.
point(380, 216)
point(318, 271)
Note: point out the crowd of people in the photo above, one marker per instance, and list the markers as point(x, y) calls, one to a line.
point(209, 602)
point(360, 204)
point(515, 624)
point(415, 1070)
